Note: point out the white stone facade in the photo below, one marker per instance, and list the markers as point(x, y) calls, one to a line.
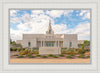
point(50, 40)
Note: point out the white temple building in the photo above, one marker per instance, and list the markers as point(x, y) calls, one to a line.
point(49, 40)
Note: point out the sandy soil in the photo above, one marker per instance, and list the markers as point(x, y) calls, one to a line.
point(15, 60)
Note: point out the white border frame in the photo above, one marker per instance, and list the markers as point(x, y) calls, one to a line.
point(5, 5)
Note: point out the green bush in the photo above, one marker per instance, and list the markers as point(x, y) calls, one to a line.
point(36, 52)
point(19, 49)
point(38, 55)
point(54, 56)
point(11, 49)
point(50, 55)
point(69, 57)
point(44, 56)
point(20, 56)
point(71, 52)
point(15, 49)
point(88, 56)
point(81, 51)
point(61, 55)
point(15, 55)
point(30, 56)
point(81, 56)
point(24, 52)
point(72, 55)
point(87, 50)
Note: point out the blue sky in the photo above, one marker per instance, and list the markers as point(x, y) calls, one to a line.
point(62, 21)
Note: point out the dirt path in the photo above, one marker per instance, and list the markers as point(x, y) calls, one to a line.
point(14, 60)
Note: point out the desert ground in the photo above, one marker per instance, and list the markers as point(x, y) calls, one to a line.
point(14, 59)
point(22, 60)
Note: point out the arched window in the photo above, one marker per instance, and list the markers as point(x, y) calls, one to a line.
point(29, 44)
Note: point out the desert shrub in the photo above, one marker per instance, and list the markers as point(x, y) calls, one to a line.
point(88, 56)
point(61, 55)
point(71, 52)
point(36, 49)
point(44, 56)
point(29, 53)
point(72, 55)
point(23, 48)
point(87, 50)
point(69, 57)
point(20, 56)
point(15, 49)
point(38, 55)
point(36, 52)
point(50, 55)
point(81, 56)
point(81, 51)
point(15, 55)
point(30, 56)
point(54, 56)
point(19, 49)
point(23, 52)
point(63, 50)
point(11, 49)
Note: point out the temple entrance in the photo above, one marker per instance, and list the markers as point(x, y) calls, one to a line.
point(49, 44)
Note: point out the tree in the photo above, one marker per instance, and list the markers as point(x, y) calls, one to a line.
point(86, 43)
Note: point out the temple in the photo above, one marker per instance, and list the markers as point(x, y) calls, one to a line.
point(49, 40)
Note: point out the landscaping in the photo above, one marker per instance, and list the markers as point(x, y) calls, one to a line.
point(34, 53)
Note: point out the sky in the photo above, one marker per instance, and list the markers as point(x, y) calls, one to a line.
point(62, 22)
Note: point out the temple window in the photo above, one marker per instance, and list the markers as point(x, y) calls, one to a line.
point(49, 31)
point(29, 44)
point(70, 44)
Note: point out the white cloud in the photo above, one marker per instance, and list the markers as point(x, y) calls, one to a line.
point(13, 12)
point(82, 29)
point(26, 17)
point(58, 13)
point(37, 23)
point(35, 12)
point(60, 28)
point(15, 34)
point(82, 12)
point(86, 14)
point(15, 20)
point(55, 13)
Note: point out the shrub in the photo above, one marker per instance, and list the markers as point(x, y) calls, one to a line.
point(50, 55)
point(61, 55)
point(54, 56)
point(15, 55)
point(35, 52)
point(11, 49)
point(30, 56)
point(88, 56)
point(15, 49)
point(72, 55)
point(20, 56)
point(69, 57)
point(81, 51)
point(38, 55)
point(44, 56)
point(19, 49)
point(71, 52)
point(81, 56)
point(23, 52)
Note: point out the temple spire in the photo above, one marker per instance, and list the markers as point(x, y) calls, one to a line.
point(49, 28)
point(50, 31)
